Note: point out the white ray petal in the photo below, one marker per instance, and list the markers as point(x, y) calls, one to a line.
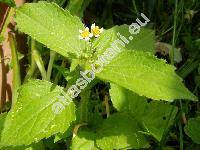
point(97, 35)
point(93, 26)
point(91, 35)
point(87, 38)
point(101, 30)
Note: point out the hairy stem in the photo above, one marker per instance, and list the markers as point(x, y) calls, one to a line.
point(33, 64)
point(16, 68)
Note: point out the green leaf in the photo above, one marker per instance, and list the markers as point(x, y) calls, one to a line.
point(157, 117)
point(52, 26)
point(9, 2)
point(77, 7)
point(192, 129)
point(35, 146)
point(126, 100)
point(108, 37)
point(145, 75)
point(121, 131)
point(85, 140)
point(32, 118)
point(154, 116)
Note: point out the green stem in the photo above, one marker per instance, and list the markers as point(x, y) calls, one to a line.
point(33, 64)
point(49, 70)
point(172, 62)
point(163, 33)
point(83, 109)
point(39, 62)
point(181, 135)
point(135, 7)
point(16, 68)
point(7, 21)
point(174, 34)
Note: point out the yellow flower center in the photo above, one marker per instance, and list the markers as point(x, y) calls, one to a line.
point(85, 34)
point(96, 31)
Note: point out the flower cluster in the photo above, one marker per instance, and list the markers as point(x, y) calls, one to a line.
point(86, 34)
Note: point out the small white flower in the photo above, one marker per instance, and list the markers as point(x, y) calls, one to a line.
point(95, 30)
point(85, 34)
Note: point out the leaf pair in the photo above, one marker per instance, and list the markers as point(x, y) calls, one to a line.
point(117, 132)
point(135, 69)
point(131, 127)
